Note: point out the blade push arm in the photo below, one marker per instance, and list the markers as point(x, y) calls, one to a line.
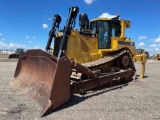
point(69, 25)
point(55, 25)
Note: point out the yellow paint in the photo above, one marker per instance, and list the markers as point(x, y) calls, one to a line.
point(158, 56)
point(84, 48)
point(141, 57)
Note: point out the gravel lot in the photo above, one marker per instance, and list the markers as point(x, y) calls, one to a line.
point(139, 100)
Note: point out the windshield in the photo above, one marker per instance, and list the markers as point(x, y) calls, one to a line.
point(19, 50)
point(140, 50)
point(116, 29)
point(93, 27)
point(103, 30)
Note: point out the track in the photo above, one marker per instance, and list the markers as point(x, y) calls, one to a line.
point(97, 64)
point(104, 60)
point(110, 69)
point(107, 59)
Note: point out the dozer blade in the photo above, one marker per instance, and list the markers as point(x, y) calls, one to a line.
point(45, 78)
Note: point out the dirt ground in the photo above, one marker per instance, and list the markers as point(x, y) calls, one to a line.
point(139, 100)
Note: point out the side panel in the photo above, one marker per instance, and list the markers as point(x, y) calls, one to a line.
point(129, 45)
point(82, 47)
point(117, 44)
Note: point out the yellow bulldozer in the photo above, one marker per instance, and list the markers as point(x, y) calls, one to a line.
point(98, 54)
point(141, 50)
point(158, 56)
point(19, 52)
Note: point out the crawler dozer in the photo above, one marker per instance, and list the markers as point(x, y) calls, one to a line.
point(19, 52)
point(141, 51)
point(158, 56)
point(98, 54)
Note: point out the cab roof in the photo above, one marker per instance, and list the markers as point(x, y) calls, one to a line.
point(100, 19)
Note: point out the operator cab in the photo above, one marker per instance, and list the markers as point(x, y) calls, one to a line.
point(105, 29)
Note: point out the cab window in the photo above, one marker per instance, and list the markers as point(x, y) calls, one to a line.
point(103, 30)
point(116, 30)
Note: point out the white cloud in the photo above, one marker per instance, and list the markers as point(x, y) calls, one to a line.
point(3, 39)
point(153, 45)
point(2, 44)
point(157, 49)
point(45, 26)
point(149, 49)
point(27, 36)
point(106, 15)
point(15, 45)
point(142, 37)
point(37, 47)
point(34, 37)
point(49, 18)
point(30, 41)
point(153, 50)
point(88, 1)
point(1, 34)
point(141, 44)
point(157, 39)
point(10, 46)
